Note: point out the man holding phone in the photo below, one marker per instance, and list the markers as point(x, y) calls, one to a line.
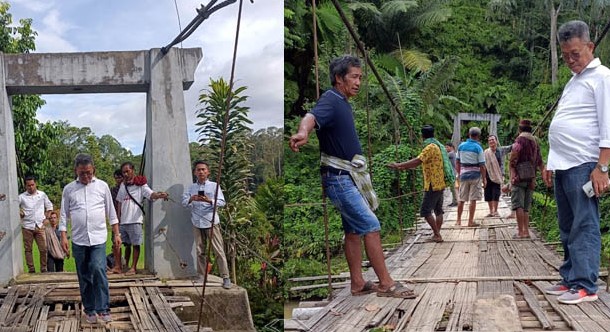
point(203, 198)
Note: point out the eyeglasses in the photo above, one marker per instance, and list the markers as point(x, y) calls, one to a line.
point(574, 55)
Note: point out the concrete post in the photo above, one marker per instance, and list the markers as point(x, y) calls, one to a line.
point(169, 236)
point(11, 242)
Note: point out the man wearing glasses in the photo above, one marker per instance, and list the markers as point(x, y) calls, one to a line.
point(579, 140)
point(87, 202)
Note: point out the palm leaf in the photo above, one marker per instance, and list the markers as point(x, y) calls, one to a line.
point(413, 60)
point(431, 18)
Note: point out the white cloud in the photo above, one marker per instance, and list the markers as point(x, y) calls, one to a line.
point(34, 5)
point(51, 33)
point(121, 115)
point(54, 23)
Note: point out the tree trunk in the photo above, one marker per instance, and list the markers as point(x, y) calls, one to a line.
point(553, 41)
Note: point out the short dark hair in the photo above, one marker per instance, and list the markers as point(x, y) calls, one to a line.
point(427, 131)
point(118, 173)
point(83, 159)
point(474, 132)
point(29, 178)
point(340, 66)
point(449, 144)
point(199, 162)
point(573, 29)
point(525, 125)
point(128, 163)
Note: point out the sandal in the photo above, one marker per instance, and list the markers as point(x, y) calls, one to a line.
point(398, 291)
point(368, 288)
point(437, 239)
point(519, 237)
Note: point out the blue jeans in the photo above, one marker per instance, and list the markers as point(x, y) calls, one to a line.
point(92, 280)
point(356, 216)
point(578, 217)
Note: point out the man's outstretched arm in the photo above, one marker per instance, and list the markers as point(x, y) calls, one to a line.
point(301, 137)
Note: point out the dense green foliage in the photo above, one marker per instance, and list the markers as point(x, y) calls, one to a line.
point(437, 58)
point(252, 223)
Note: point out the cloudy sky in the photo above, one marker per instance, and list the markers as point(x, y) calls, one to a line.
point(121, 25)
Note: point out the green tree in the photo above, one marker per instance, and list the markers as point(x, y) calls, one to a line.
point(251, 224)
point(217, 137)
point(31, 137)
point(267, 154)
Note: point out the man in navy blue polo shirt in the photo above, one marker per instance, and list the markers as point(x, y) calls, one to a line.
point(345, 178)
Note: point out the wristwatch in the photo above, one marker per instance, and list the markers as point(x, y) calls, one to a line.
point(603, 168)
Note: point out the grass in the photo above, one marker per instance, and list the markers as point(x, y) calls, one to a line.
point(69, 264)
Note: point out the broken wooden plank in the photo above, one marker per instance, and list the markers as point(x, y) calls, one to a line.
point(534, 305)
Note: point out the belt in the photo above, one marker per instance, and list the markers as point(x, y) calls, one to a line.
point(328, 170)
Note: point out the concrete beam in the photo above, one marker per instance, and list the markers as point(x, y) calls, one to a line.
point(89, 72)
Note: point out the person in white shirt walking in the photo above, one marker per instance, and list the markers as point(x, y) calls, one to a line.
point(131, 214)
point(199, 198)
point(87, 203)
point(35, 207)
point(579, 151)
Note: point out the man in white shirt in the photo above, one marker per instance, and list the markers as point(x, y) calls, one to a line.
point(579, 141)
point(199, 198)
point(35, 206)
point(87, 204)
point(131, 214)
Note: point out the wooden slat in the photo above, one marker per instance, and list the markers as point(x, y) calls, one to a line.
point(42, 323)
point(8, 304)
point(534, 305)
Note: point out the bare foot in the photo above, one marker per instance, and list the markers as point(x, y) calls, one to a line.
point(458, 222)
point(130, 272)
point(116, 271)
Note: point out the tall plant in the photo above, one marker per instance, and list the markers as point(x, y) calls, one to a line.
point(237, 168)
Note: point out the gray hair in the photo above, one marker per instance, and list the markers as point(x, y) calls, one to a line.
point(340, 66)
point(573, 29)
point(83, 159)
point(474, 132)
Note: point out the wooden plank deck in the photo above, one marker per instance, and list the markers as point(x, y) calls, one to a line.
point(140, 304)
point(461, 281)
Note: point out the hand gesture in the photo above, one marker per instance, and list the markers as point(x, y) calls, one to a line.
point(393, 166)
point(297, 140)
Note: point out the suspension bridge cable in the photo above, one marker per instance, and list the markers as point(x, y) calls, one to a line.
point(223, 144)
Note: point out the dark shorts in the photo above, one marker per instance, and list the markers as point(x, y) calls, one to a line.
point(131, 234)
point(492, 191)
point(356, 215)
point(433, 201)
point(521, 196)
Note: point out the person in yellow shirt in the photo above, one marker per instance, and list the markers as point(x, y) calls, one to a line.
point(432, 160)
